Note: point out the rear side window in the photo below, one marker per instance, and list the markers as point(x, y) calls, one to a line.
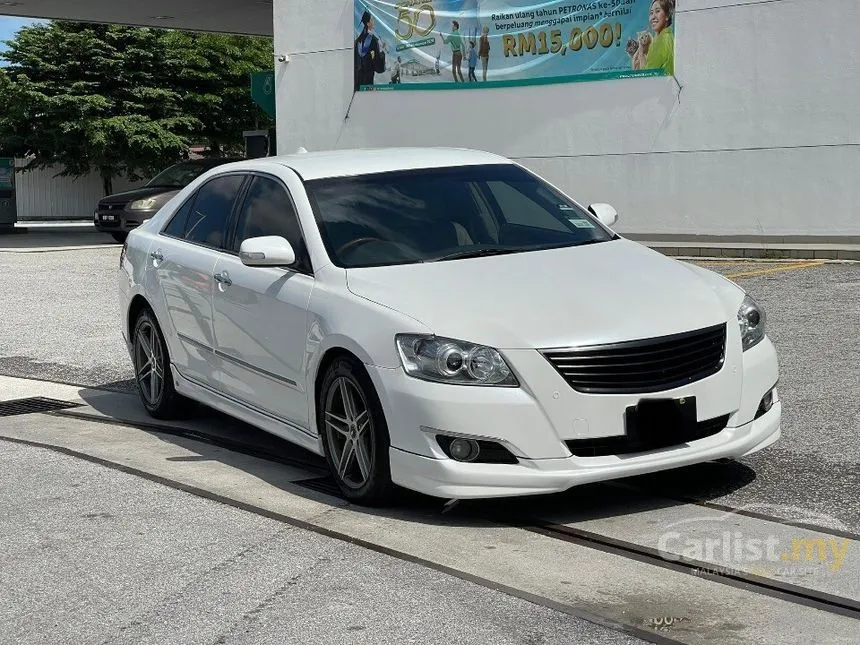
point(176, 227)
point(207, 222)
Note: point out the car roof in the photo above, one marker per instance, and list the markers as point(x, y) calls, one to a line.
point(346, 163)
point(213, 161)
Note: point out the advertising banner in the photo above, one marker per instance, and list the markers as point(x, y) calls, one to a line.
point(470, 44)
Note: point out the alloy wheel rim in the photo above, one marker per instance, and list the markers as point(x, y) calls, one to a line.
point(349, 430)
point(150, 363)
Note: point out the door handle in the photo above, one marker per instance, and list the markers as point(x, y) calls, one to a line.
point(223, 278)
point(156, 255)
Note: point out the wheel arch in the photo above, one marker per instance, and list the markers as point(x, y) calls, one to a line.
point(135, 307)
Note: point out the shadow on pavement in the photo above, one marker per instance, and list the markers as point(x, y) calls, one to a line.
point(48, 238)
point(207, 433)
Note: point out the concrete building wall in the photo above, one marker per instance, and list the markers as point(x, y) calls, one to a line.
point(41, 195)
point(758, 134)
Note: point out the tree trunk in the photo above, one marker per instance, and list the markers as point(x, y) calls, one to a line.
point(107, 181)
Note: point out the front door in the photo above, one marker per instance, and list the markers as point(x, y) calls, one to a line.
point(183, 258)
point(261, 313)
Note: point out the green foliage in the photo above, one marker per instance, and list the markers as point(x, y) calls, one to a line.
point(125, 100)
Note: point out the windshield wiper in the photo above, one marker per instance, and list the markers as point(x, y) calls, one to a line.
point(475, 253)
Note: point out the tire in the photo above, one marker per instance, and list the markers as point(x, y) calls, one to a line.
point(119, 237)
point(157, 393)
point(366, 478)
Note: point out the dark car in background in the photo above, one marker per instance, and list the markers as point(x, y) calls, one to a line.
point(118, 214)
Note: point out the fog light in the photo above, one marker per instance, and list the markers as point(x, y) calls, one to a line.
point(464, 449)
point(765, 405)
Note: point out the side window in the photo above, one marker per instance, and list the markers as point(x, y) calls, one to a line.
point(207, 222)
point(268, 210)
point(176, 226)
point(521, 210)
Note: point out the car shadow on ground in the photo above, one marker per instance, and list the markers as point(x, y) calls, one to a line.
point(60, 238)
point(213, 436)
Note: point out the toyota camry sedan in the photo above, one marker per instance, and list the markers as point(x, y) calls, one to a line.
point(440, 320)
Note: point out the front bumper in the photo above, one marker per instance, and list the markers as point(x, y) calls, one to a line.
point(451, 479)
point(534, 421)
point(122, 222)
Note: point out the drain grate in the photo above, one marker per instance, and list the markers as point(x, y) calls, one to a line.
point(33, 405)
point(325, 485)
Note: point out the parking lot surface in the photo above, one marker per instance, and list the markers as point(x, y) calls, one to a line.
point(98, 555)
point(94, 555)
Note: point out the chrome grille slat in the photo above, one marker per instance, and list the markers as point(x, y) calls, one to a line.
point(642, 366)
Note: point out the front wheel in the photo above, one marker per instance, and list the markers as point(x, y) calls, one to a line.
point(152, 369)
point(119, 237)
point(354, 433)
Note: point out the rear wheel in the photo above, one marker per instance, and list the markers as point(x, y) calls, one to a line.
point(152, 369)
point(354, 433)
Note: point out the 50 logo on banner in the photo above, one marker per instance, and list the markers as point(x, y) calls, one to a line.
point(416, 18)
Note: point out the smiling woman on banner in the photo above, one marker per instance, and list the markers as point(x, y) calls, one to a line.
point(369, 59)
point(661, 53)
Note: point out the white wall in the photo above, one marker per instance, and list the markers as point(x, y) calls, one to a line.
point(40, 195)
point(759, 134)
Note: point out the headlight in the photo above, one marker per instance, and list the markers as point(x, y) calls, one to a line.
point(143, 204)
point(453, 361)
point(752, 319)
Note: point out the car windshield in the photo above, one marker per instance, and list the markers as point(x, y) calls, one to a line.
point(179, 175)
point(445, 214)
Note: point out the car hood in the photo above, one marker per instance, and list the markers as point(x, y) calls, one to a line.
point(138, 193)
point(600, 293)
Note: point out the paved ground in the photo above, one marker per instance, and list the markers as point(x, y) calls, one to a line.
point(92, 555)
point(107, 556)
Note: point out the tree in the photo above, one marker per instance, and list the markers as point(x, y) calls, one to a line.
point(213, 78)
point(122, 100)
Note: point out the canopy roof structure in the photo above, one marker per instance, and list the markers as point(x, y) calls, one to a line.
point(251, 17)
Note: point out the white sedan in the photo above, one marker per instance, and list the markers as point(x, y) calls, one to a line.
point(441, 320)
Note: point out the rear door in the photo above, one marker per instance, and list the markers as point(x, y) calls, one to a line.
point(260, 313)
point(184, 258)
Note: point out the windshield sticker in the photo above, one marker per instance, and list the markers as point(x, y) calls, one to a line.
point(580, 223)
point(564, 207)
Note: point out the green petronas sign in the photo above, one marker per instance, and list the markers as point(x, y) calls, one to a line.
point(263, 91)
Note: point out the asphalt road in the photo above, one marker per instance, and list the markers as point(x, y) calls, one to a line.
point(63, 325)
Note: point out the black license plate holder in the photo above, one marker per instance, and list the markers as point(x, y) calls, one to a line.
point(661, 421)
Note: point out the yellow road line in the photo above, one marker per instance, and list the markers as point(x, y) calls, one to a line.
point(789, 267)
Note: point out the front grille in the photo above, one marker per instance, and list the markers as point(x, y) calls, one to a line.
point(623, 445)
point(111, 208)
point(642, 366)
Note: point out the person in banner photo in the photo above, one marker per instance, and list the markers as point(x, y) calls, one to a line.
point(484, 49)
point(660, 50)
point(369, 58)
point(473, 62)
point(456, 42)
point(395, 71)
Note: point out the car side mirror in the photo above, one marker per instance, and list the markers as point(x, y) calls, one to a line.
point(607, 215)
point(268, 251)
